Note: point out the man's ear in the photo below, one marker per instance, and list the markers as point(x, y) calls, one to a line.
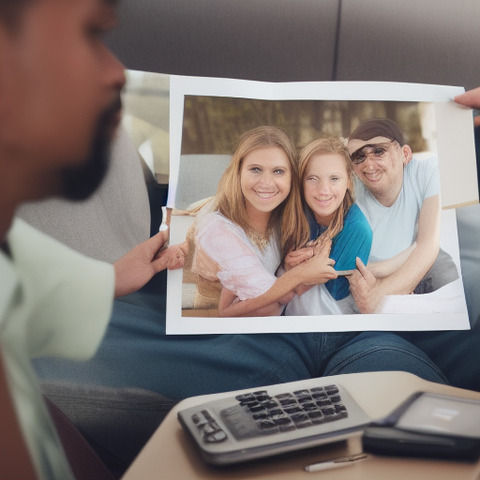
point(407, 154)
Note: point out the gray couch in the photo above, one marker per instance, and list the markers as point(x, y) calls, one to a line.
point(273, 40)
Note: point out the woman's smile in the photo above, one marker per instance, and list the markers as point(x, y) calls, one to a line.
point(265, 195)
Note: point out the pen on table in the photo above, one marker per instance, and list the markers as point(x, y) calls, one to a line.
point(335, 462)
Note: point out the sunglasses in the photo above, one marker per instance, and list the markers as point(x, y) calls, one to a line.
point(375, 151)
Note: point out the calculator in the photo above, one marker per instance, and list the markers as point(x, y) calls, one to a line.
point(273, 420)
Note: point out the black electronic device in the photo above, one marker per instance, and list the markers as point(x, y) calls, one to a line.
point(428, 425)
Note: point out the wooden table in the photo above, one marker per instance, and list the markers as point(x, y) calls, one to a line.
point(171, 455)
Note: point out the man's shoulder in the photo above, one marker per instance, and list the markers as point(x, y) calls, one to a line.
point(422, 162)
point(423, 176)
point(37, 253)
point(23, 236)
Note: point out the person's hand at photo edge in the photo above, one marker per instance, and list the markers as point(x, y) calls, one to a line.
point(136, 268)
point(470, 98)
point(173, 256)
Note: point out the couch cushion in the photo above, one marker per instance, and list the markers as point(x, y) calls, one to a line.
point(112, 221)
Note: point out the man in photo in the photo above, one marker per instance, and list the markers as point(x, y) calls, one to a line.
point(400, 196)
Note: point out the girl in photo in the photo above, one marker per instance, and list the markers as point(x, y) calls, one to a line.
point(326, 178)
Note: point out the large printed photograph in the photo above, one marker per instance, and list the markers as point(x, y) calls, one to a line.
point(311, 211)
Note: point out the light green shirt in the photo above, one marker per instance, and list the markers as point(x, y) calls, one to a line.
point(53, 302)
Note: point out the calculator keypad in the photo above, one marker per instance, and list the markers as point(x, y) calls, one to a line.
point(293, 410)
point(257, 413)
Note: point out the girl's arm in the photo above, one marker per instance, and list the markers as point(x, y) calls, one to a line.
point(318, 269)
point(227, 298)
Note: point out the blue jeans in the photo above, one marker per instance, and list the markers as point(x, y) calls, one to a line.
point(136, 353)
point(118, 398)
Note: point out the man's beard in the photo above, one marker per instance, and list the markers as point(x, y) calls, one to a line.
point(79, 182)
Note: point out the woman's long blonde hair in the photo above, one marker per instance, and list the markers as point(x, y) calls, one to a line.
point(330, 145)
point(287, 220)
